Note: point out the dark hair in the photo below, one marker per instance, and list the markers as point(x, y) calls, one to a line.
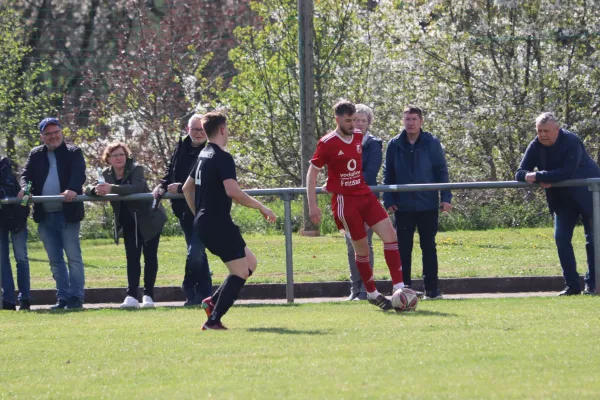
point(410, 109)
point(111, 147)
point(344, 107)
point(212, 121)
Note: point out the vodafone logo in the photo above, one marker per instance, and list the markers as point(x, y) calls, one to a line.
point(352, 165)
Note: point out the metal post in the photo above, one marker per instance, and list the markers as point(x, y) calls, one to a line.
point(595, 187)
point(289, 263)
point(308, 119)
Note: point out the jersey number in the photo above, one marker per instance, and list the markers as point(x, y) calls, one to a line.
point(198, 173)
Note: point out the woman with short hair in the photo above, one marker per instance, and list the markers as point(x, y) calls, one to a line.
point(139, 225)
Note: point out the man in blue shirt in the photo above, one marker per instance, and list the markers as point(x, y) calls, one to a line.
point(559, 155)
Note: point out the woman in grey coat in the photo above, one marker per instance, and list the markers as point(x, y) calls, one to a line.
point(139, 225)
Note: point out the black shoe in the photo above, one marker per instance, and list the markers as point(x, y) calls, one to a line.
point(24, 305)
point(420, 294)
point(191, 299)
point(568, 291)
point(382, 302)
point(75, 303)
point(60, 305)
point(8, 306)
point(433, 295)
point(589, 291)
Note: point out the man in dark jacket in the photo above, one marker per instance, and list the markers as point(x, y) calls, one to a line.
point(57, 168)
point(197, 281)
point(13, 223)
point(416, 156)
point(559, 155)
point(372, 156)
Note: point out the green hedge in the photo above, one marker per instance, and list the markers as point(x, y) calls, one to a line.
point(473, 210)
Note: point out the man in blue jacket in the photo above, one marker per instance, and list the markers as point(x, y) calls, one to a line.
point(372, 156)
point(559, 155)
point(416, 156)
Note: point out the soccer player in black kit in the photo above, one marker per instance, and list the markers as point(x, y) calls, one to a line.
point(209, 192)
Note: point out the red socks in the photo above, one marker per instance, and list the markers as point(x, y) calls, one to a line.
point(366, 275)
point(392, 259)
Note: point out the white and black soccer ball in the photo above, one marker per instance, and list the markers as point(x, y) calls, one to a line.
point(405, 299)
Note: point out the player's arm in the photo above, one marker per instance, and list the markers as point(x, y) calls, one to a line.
point(189, 194)
point(233, 190)
point(311, 194)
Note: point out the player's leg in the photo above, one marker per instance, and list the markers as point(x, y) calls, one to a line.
point(378, 220)
point(348, 219)
point(209, 303)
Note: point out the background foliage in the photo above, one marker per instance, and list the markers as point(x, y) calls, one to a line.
point(136, 70)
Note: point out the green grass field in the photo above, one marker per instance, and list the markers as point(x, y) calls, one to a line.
point(536, 348)
point(501, 252)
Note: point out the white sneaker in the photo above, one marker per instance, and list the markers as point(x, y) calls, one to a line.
point(147, 302)
point(130, 302)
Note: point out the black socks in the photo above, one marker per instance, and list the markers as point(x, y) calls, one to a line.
point(229, 293)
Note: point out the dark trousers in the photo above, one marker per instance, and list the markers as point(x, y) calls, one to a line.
point(133, 253)
point(197, 271)
point(565, 220)
point(427, 224)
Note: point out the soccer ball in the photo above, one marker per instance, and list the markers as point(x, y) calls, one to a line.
point(405, 299)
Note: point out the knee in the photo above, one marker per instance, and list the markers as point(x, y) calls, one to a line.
point(562, 238)
point(252, 262)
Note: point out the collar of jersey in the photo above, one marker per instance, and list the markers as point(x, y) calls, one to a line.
point(342, 139)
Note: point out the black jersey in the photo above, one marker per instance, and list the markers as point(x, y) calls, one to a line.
point(213, 166)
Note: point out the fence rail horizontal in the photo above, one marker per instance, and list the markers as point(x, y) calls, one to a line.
point(300, 191)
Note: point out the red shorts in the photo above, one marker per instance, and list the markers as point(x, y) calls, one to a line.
point(351, 213)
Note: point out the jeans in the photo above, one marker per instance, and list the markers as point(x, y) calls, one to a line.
point(60, 236)
point(564, 225)
point(356, 284)
point(19, 245)
point(197, 271)
point(134, 246)
point(427, 224)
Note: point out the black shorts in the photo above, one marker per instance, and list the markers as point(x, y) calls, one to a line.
point(223, 239)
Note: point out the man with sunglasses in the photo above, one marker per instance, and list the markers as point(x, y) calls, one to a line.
point(57, 168)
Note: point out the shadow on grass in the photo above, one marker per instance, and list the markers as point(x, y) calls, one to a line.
point(262, 305)
point(421, 313)
point(285, 331)
point(89, 310)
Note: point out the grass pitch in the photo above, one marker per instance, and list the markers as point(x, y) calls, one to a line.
point(456, 349)
point(499, 252)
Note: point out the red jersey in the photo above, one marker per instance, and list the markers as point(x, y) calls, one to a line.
point(344, 164)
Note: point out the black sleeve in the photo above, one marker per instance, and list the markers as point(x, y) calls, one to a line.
point(227, 167)
point(193, 170)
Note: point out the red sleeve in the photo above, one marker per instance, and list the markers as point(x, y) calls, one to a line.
point(321, 156)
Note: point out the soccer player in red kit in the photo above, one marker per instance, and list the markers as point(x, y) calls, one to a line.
point(353, 204)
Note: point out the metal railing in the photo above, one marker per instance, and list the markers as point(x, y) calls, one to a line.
point(288, 194)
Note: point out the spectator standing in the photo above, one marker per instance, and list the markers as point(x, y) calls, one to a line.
point(197, 281)
point(372, 156)
point(139, 224)
point(558, 155)
point(57, 168)
point(416, 156)
point(13, 225)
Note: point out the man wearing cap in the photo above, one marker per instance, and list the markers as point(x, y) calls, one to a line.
point(56, 168)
